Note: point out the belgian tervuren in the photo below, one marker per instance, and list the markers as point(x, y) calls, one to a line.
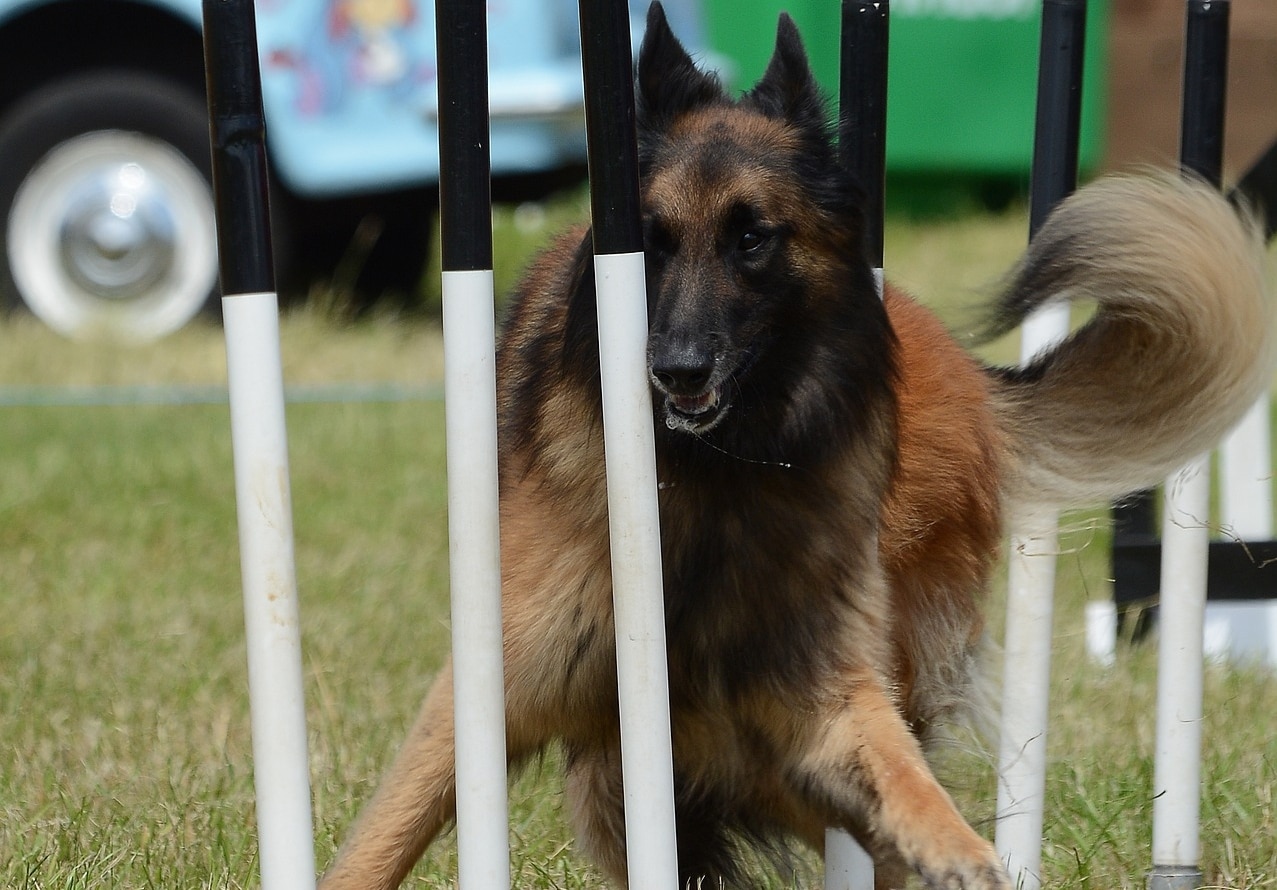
point(835, 473)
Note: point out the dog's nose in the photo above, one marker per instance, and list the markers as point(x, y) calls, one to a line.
point(683, 371)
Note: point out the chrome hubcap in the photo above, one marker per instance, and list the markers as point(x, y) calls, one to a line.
point(113, 233)
point(118, 236)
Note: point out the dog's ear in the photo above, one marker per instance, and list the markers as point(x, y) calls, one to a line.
point(669, 83)
point(788, 90)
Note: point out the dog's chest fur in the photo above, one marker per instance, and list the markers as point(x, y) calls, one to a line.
point(766, 575)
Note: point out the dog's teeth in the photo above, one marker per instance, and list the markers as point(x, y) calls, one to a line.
point(696, 404)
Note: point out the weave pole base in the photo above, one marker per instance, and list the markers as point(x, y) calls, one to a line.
point(1174, 877)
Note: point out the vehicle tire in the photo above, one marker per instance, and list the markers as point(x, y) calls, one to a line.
point(106, 211)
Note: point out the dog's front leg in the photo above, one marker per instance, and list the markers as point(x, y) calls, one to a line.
point(866, 770)
point(415, 801)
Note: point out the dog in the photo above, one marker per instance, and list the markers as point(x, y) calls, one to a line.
point(836, 475)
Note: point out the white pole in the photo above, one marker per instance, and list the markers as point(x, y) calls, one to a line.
point(1271, 622)
point(637, 581)
point(847, 865)
point(1177, 769)
point(1246, 494)
point(1026, 696)
point(470, 399)
point(1101, 631)
point(1043, 330)
point(1026, 682)
point(1185, 529)
point(280, 767)
point(629, 446)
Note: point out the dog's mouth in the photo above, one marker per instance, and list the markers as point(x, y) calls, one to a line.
point(695, 414)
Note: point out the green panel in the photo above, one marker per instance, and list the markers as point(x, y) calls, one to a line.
point(962, 85)
point(744, 32)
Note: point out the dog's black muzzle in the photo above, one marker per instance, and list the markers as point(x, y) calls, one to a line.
point(686, 375)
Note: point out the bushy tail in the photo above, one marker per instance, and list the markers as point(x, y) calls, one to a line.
point(1178, 349)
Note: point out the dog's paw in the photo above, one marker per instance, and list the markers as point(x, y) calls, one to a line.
point(968, 869)
point(976, 877)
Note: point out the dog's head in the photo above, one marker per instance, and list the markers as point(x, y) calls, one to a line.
point(752, 235)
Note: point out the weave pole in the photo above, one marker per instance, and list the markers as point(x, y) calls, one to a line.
point(1185, 532)
point(470, 420)
point(1031, 582)
point(259, 442)
point(629, 445)
point(862, 107)
point(1246, 490)
point(862, 148)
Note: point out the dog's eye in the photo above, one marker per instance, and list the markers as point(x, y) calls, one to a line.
point(752, 241)
point(658, 239)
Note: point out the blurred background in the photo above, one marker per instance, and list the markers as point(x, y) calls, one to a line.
point(122, 651)
point(104, 197)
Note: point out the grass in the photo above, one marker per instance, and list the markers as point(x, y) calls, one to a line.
point(123, 714)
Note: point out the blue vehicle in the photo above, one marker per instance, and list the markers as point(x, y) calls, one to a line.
point(106, 216)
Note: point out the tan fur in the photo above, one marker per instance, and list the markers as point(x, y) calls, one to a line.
point(823, 610)
point(942, 518)
point(854, 749)
point(1180, 341)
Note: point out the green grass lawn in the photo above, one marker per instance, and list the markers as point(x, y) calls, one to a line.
point(124, 750)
